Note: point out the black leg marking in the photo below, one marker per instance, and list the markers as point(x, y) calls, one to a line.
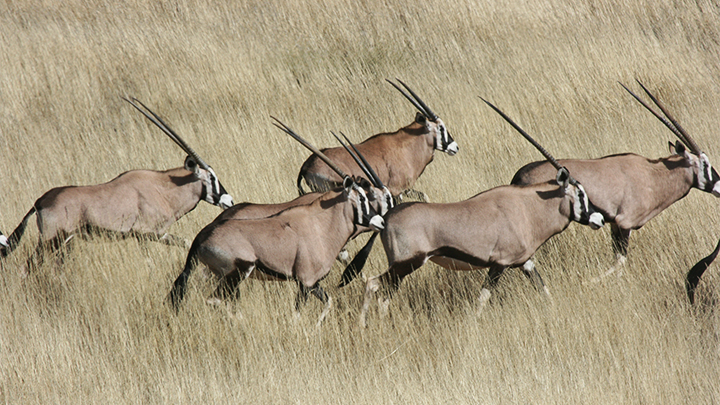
point(228, 286)
point(493, 276)
point(620, 239)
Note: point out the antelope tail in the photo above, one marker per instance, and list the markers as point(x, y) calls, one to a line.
point(14, 239)
point(180, 285)
point(357, 264)
point(693, 276)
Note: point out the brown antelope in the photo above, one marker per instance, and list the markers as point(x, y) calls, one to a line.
point(498, 228)
point(628, 189)
point(137, 203)
point(399, 158)
point(693, 277)
point(299, 243)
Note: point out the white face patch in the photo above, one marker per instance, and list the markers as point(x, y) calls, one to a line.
point(362, 205)
point(706, 177)
point(387, 201)
point(377, 223)
point(597, 220)
point(443, 141)
point(226, 201)
point(581, 203)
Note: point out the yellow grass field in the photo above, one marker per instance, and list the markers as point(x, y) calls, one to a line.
point(96, 330)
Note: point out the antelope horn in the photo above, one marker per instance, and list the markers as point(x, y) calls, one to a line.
point(673, 126)
point(415, 100)
point(168, 131)
point(688, 140)
point(361, 161)
point(542, 150)
point(430, 113)
point(307, 144)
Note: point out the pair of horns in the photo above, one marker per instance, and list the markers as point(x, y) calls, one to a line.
point(168, 131)
point(415, 100)
point(542, 150)
point(670, 122)
point(360, 159)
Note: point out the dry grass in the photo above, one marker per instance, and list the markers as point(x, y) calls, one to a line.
point(97, 330)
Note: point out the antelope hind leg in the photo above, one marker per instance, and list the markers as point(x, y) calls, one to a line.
point(228, 290)
point(534, 276)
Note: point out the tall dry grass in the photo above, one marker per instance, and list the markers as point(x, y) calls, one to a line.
point(96, 330)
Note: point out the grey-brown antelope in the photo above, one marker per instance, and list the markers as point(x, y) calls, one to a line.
point(628, 189)
point(398, 158)
point(299, 243)
point(137, 203)
point(498, 228)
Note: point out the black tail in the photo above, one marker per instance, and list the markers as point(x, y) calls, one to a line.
point(693, 276)
point(180, 286)
point(14, 239)
point(357, 264)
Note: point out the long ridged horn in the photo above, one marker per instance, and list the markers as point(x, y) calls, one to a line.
point(308, 145)
point(672, 124)
point(415, 100)
point(168, 131)
point(542, 150)
point(688, 140)
point(360, 160)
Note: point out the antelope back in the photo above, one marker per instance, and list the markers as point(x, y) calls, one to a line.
point(212, 190)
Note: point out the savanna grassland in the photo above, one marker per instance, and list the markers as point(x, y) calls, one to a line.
point(96, 330)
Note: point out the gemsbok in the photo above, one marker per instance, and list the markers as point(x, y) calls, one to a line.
point(693, 277)
point(499, 228)
point(399, 158)
point(628, 189)
point(137, 203)
point(3, 240)
point(299, 243)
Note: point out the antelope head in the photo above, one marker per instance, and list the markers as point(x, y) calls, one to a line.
point(705, 176)
point(213, 192)
point(583, 211)
point(366, 214)
point(428, 119)
point(378, 192)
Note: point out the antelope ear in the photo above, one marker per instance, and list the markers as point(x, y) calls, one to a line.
point(191, 165)
point(420, 119)
point(678, 148)
point(348, 182)
point(563, 177)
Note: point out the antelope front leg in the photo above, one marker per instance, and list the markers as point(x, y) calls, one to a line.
point(620, 242)
point(371, 287)
point(493, 276)
point(172, 240)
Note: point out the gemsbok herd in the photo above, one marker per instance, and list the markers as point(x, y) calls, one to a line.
point(359, 188)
